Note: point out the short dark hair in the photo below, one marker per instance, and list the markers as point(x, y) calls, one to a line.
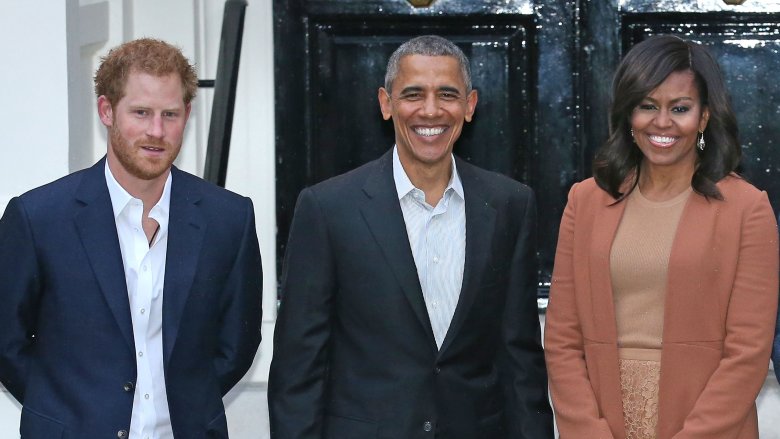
point(148, 55)
point(427, 45)
point(641, 71)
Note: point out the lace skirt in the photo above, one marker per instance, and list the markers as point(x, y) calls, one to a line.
point(639, 384)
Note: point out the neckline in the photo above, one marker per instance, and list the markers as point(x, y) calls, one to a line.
point(682, 196)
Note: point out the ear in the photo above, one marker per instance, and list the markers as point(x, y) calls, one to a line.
point(105, 111)
point(384, 103)
point(705, 117)
point(471, 105)
point(187, 110)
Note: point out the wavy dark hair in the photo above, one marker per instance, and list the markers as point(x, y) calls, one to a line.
point(640, 72)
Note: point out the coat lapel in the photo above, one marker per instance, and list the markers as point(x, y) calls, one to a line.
point(480, 225)
point(97, 230)
point(684, 291)
point(599, 268)
point(186, 228)
point(382, 212)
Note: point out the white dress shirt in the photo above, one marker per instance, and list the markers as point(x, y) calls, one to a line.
point(437, 236)
point(144, 266)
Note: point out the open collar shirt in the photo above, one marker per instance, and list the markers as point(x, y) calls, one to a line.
point(144, 266)
point(437, 236)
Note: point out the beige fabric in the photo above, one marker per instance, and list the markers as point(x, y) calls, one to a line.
point(639, 262)
point(639, 383)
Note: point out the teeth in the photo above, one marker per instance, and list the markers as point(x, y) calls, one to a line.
point(429, 131)
point(662, 139)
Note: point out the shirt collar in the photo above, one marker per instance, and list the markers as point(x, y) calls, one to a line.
point(403, 185)
point(120, 197)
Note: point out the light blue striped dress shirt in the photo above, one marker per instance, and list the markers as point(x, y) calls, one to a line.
point(437, 236)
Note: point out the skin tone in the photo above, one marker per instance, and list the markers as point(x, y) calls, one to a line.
point(145, 134)
point(428, 104)
point(666, 126)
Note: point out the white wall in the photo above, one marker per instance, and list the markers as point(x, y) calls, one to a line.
point(30, 155)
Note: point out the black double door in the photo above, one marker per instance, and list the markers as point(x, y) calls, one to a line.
point(543, 69)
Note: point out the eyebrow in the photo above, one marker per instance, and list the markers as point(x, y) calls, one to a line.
point(417, 88)
point(148, 108)
point(674, 101)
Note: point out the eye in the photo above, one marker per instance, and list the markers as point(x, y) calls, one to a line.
point(448, 96)
point(646, 107)
point(680, 109)
point(411, 96)
point(170, 114)
point(140, 112)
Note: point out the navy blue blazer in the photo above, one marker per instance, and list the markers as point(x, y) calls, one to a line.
point(66, 341)
point(354, 352)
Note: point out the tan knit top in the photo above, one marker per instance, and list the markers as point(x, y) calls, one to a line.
point(639, 262)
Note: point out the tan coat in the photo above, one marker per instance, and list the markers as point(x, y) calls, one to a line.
point(719, 317)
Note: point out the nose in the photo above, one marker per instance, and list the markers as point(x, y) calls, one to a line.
point(430, 106)
point(663, 119)
point(155, 127)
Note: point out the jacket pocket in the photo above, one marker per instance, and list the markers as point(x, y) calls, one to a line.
point(34, 425)
point(340, 427)
point(217, 427)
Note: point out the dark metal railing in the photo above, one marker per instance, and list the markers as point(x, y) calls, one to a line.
point(223, 105)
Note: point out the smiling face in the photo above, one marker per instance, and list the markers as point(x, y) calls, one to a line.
point(666, 124)
point(428, 105)
point(145, 128)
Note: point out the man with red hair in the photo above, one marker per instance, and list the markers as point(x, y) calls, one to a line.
point(131, 290)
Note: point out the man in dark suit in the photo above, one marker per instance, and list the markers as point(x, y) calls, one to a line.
point(409, 288)
point(131, 290)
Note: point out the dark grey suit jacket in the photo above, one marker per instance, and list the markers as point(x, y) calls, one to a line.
point(354, 353)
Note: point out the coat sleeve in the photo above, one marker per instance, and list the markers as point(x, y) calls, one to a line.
point(20, 290)
point(732, 388)
point(521, 358)
point(576, 410)
point(296, 386)
point(241, 319)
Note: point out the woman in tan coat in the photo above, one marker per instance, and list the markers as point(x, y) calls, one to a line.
point(664, 290)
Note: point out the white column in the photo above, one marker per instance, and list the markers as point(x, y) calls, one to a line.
point(34, 112)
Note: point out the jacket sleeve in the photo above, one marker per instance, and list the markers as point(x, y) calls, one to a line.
point(241, 305)
point(576, 409)
point(20, 290)
point(296, 386)
point(720, 410)
point(521, 358)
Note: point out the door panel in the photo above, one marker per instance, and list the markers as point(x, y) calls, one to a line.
point(543, 71)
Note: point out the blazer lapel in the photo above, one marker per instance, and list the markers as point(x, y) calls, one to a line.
point(480, 225)
point(601, 297)
point(684, 291)
point(186, 228)
point(97, 229)
point(382, 213)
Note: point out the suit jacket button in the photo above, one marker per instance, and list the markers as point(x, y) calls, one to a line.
point(128, 386)
point(427, 426)
point(437, 370)
point(121, 434)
